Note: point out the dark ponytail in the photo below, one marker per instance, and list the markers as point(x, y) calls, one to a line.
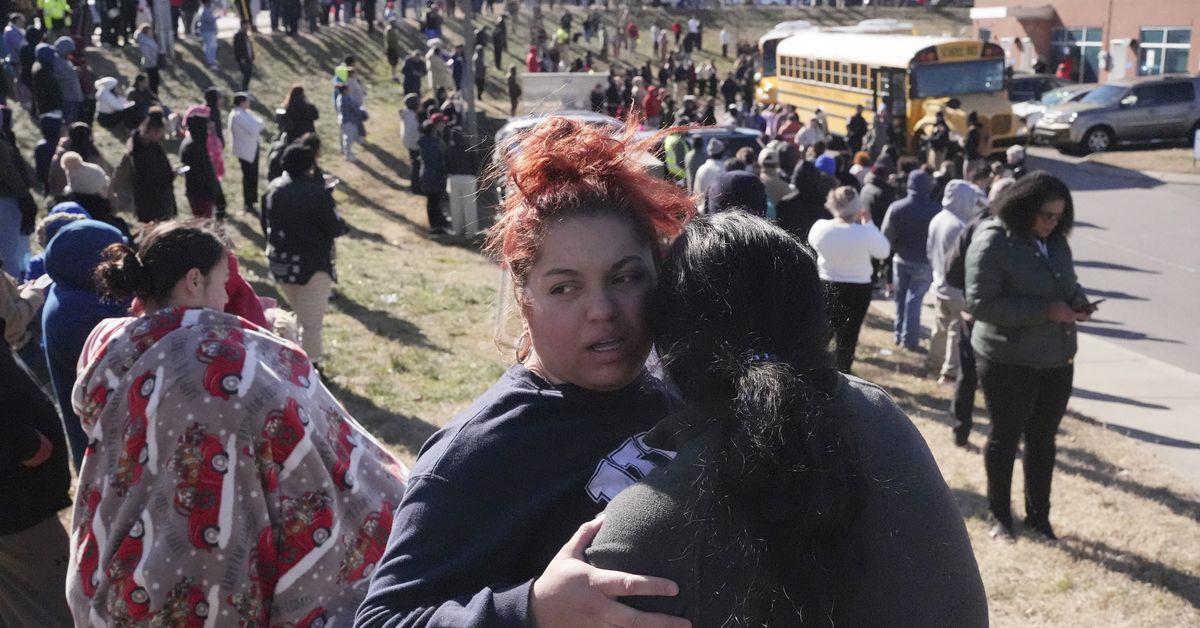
point(165, 255)
point(739, 317)
point(121, 274)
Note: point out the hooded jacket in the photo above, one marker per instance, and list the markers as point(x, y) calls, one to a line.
point(201, 181)
point(107, 100)
point(64, 71)
point(72, 309)
point(906, 223)
point(225, 471)
point(877, 195)
point(963, 201)
point(47, 94)
point(51, 126)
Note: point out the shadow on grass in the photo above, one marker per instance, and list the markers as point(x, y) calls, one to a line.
point(391, 427)
point(1182, 584)
point(385, 324)
point(1089, 466)
point(971, 505)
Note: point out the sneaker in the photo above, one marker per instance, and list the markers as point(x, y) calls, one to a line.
point(1041, 529)
point(1002, 530)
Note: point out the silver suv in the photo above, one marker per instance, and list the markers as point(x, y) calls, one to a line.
point(1163, 108)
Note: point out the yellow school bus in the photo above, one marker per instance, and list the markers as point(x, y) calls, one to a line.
point(915, 76)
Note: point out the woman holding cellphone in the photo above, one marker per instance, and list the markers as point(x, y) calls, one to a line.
point(489, 531)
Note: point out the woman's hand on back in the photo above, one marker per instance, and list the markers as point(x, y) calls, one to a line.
point(573, 593)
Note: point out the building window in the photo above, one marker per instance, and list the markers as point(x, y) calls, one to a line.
point(1082, 46)
point(1164, 50)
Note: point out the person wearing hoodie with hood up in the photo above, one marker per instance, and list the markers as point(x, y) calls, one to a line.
point(60, 216)
point(68, 80)
point(906, 225)
point(962, 202)
point(47, 94)
point(202, 188)
point(73, 307)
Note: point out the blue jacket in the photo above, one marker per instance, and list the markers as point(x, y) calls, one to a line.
point(72, 309)
point(906, 223)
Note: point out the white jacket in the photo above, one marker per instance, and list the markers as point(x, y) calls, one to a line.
point(107, 101)
point(245, 128)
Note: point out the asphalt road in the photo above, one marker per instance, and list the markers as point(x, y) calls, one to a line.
point(1137, 244)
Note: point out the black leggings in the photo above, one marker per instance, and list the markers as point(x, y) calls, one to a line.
point(846, 305)
point(1029, 402)
point(962, 406)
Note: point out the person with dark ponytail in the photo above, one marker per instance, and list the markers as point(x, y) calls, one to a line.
point(216, 458)
point(798, 495)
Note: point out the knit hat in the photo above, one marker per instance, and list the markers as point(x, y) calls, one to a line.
point(827, 164)
point(83, 177)
point(716, 148)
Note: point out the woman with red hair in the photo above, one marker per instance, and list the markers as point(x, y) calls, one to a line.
point(479, 536)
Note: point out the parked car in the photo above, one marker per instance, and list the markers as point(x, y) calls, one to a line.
point(1027, 87)
point(1148, 109)
point(1028, 113)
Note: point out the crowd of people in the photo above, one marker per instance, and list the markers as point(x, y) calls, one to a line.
point(682, 363)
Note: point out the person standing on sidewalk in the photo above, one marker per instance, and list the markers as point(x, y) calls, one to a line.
point(962, 202)
point(1022, 290)
point(245, 128)
point(243, 52)
point(906, 225)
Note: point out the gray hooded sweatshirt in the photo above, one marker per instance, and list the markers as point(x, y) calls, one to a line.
point(961, 202)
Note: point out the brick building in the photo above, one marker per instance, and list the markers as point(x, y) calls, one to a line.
point(1105, 39)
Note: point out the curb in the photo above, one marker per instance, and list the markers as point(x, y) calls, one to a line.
point(1128, 173)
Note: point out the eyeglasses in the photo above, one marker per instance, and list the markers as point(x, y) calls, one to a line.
point(1053, 217)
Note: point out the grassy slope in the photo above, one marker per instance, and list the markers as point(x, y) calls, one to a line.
point(409, 343)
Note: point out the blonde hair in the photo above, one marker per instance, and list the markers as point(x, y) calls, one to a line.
point(843, 203)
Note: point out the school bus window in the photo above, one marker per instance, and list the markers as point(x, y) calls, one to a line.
point(837, 73)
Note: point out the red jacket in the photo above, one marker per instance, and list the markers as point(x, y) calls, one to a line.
point(531, 60)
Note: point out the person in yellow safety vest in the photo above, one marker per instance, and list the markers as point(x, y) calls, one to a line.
point(55, 14)
point(675, 150)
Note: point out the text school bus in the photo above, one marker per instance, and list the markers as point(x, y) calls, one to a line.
point(915, 76)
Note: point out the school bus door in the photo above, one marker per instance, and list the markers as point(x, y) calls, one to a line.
point(890, 89)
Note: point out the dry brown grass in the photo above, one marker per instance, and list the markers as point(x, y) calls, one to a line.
point(1178, 160)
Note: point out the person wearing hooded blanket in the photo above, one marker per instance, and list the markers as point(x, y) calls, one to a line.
point(906, 225)
point(223, 479)
point(202, 187)
point(73, 308)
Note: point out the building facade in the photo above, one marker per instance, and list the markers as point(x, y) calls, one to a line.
point(1103, 39)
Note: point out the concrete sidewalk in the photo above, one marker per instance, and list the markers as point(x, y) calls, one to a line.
point(1129, 393)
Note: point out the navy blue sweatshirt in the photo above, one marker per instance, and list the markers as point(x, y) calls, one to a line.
point(497, 492)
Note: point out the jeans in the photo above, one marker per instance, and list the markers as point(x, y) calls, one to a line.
point(1023, 402)
point(846, 305)
point(210, 48)
point(963, 404)
point(911, 283)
